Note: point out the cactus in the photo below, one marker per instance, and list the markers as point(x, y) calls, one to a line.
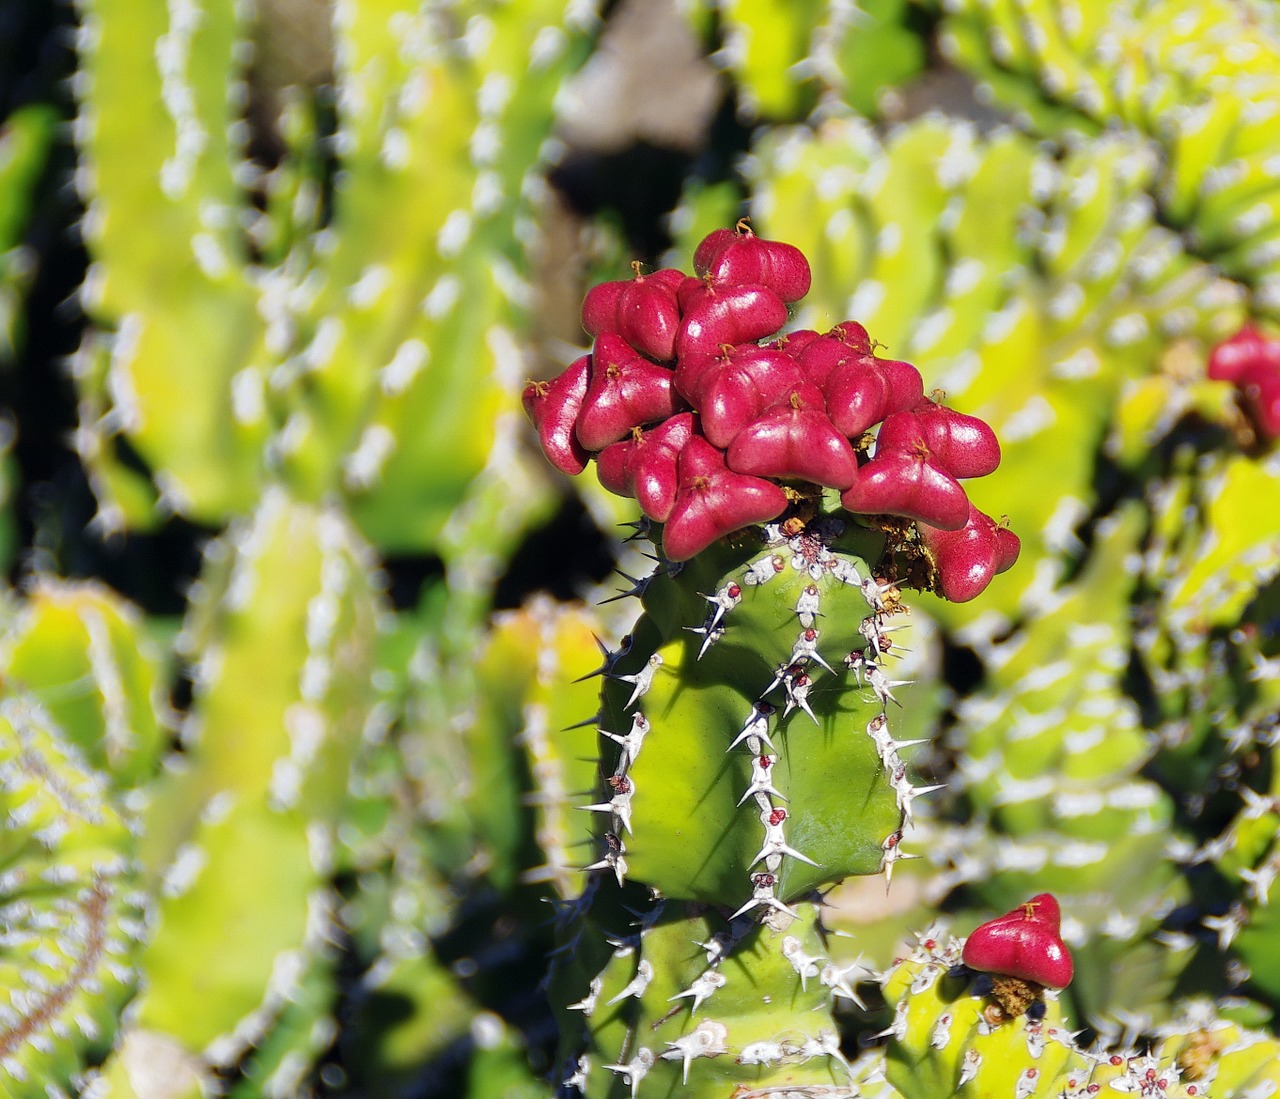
point(944, 1039)
point(301, 839)
point(1167, 72)
point(773, 638)
point(354, 336)
point(73, 910)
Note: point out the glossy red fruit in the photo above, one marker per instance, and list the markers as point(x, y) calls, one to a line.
point(1246, 351)
point(746, 382)
point(1251, 361)
point(1024, 943)
point(712, 501)
point(794, 440)
point(553, 407)
point(733, 315)
point(644, 466)
point(909, 486)
point(738, 258)
point(862, 390)
point(964, 446)
point(1260, 395)
point(624, 390)
point(965, 560)
point(643, 310)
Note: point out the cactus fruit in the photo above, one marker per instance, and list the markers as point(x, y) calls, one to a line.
point(1025, 943)
point(1250, 360)
point(945, 1040)
point(745, 690)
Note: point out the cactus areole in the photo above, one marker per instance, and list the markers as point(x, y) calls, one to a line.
point(1025, 943)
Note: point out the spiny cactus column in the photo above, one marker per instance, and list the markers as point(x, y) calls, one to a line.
point(344, 320)
point(1197, 79)
point(747, 751)
point(71, 904)
point(241, 837)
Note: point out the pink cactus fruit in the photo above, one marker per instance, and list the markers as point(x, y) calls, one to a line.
point(644, 466)
point(643, 311)
point(625, 390)
point(966, 560)
point(553, 407)
point(743, 384)
point(1025, 943)
point(910, 486)
point(736, 257)
point(736, 314)
point(794, 439)
point(1250, 360)
point(712, 501)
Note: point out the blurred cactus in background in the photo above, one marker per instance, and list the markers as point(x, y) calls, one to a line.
point(330, 762)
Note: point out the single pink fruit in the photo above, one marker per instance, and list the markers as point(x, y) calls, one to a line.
point(728, 258)
point(624, 390)
point(862, 390)
point(748, 380)
point(733, 315)
point(964, 446)
point(1245, 351)
point(710, 247)
point(553, 407)
point(965, 560)
point(1025, 943)
point(909, 486)
point(644, 466)
point(643, 310)
point(794, 440)
point(712, 501)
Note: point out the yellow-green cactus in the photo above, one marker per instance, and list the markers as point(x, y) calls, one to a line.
point(357, 336)
point(72, 908)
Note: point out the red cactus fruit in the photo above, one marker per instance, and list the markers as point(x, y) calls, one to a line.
point(553, 407)
point(644, 466)
point(962, 445)
point(795, 440)
point(736, 258)
point(965, 560)
point(687, 409)
point(624, 390)
point(909, 486)
point(643, 310)
point(862, 390)
point(1250, 360)
point(1245, 352)
point(741, 387)
point(712, 501)
point(733, 315)
point(1025, 943)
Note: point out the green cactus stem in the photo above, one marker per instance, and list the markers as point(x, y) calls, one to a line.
point(356, 336)
point(70, 906)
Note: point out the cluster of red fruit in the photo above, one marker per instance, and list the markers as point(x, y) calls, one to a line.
point(1250, 360)
point(686, 410)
